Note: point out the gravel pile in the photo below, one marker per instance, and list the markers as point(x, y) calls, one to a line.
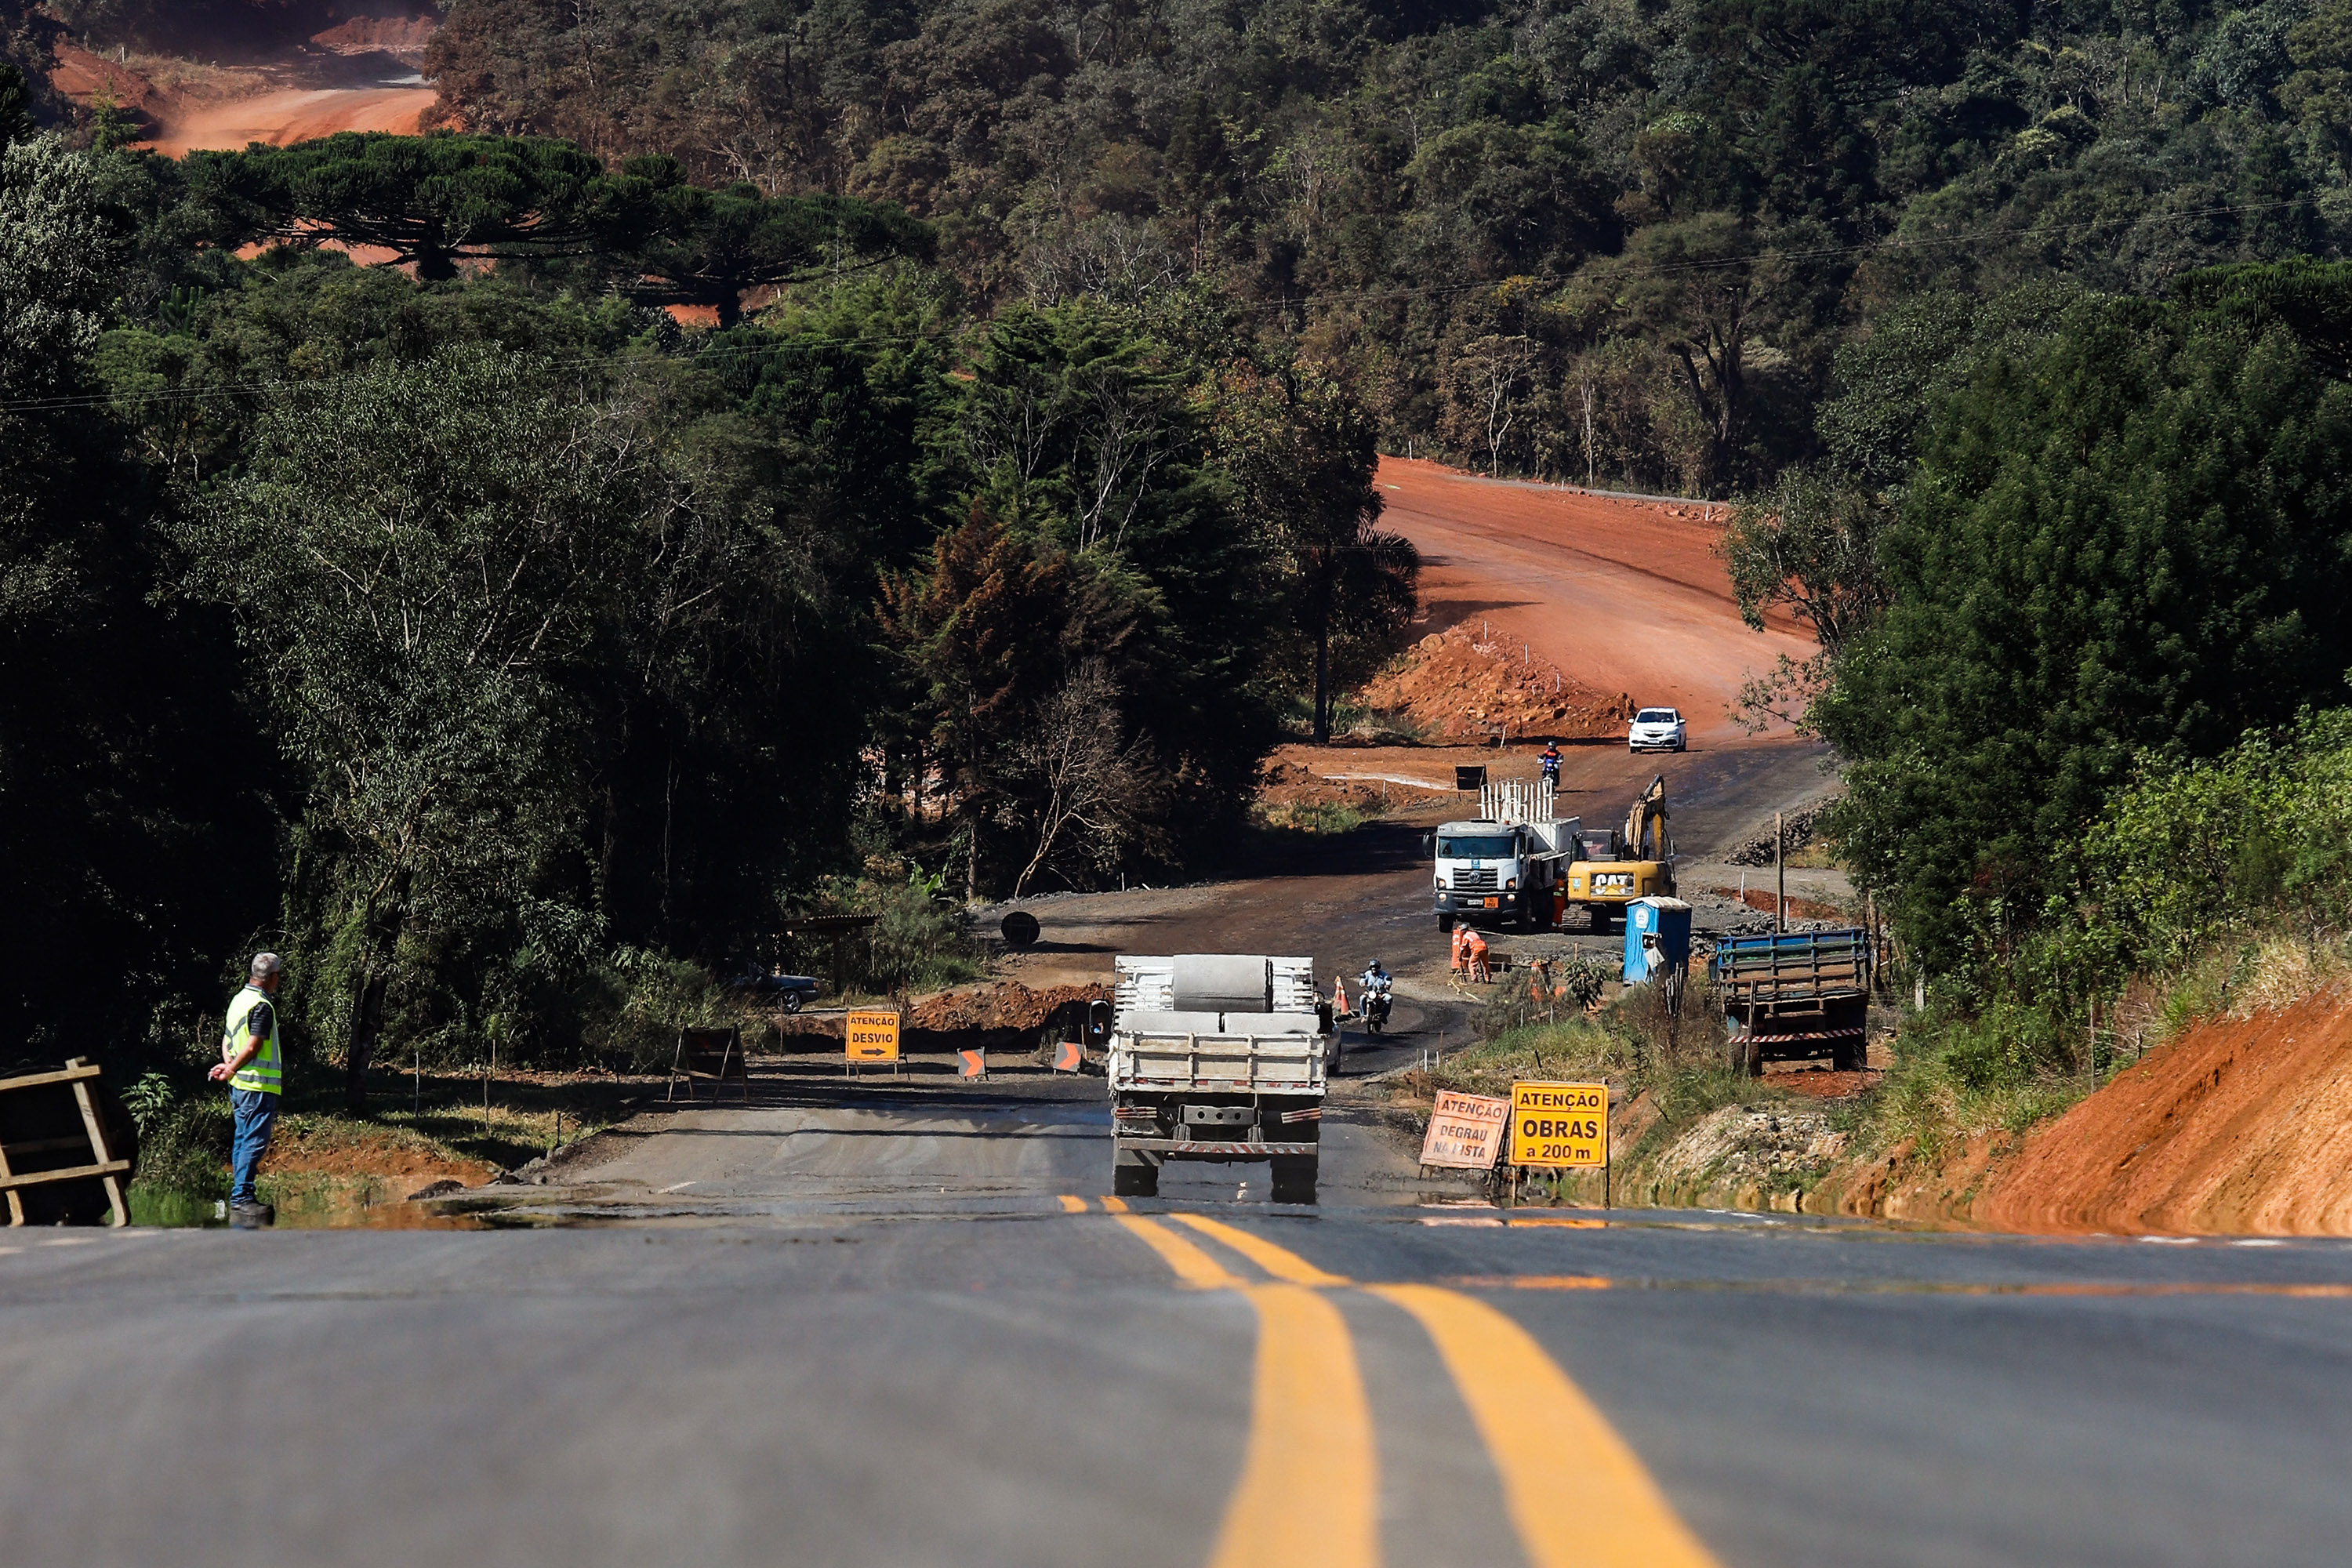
point(1798, 826)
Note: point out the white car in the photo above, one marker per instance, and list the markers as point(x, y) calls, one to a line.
point(1657, 730)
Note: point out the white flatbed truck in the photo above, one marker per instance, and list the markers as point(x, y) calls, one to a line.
point(1504, 868)
point(1217, 1057)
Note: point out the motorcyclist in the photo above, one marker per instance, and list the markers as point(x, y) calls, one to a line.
point(1550, 760)
point(1375, 994)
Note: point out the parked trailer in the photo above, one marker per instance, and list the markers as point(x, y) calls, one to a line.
point(1791, 994)
point(1217, 1057)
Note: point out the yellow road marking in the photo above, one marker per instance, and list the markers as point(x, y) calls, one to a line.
point(1073, 1204)
point(1579, 1496)
point(1277, 1261)
point(1897, 1286)
point(1192, 1266)
point(1310, 1479)
point(1114, 1206)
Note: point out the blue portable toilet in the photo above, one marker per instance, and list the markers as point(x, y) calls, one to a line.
point(1667, 920)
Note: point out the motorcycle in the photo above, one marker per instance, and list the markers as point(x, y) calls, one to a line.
point(1376, 1004)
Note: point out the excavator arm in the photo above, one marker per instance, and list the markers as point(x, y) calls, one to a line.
point(1646, 838)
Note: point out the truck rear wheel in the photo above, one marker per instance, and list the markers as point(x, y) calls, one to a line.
point(1747, 1057)
point(1294, 1179)
point(1139, 1180)
point(1847, 1056)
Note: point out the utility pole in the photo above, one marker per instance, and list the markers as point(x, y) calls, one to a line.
point(1781, 871)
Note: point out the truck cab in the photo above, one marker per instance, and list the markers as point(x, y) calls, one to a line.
point(1492, 872)
point(1482, 876)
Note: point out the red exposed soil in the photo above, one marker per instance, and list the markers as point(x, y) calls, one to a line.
point(1822, 1083)
point(86, 78)
point(344, 1156)
point(1452, 686)
point(2242, 1126)
point(950, 1016)
point(292, 114)
point(1626, 594)
point(402, 37)
point(1288, 784)
point(1764, 899)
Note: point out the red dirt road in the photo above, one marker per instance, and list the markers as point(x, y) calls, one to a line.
point(1622, 594)
point(291, 115)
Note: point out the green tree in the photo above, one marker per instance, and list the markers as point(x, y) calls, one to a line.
point(1807, 547)
point(132, 842)
point(986, 634)
point(415, 558)
point(1306, 452)
point(711, 248)
point(431, 200)
point(2121, 538)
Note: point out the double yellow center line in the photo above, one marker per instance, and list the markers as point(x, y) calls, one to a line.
point(1309, 1486)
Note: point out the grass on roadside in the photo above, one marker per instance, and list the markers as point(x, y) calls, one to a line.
point(1313, 816)
point(325, 1165)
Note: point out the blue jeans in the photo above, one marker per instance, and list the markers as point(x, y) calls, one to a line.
point(257, 1113)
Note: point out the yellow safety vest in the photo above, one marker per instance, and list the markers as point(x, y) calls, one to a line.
point(266, 1070)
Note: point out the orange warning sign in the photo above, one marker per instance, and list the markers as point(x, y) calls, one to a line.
point(871, 1037)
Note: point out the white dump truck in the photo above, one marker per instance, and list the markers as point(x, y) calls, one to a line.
point(1219, 1057)
point(1503, 868)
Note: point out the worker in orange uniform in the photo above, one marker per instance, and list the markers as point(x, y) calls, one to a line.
point(1479, 973)
point(1460, 949)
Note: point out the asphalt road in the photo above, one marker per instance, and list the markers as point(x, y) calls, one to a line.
point(1345, 899)
point(900, 1324)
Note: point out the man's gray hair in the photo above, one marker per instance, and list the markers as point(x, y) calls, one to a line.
point(266, 964)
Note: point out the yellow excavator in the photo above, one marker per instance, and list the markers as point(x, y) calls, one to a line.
point(1615, 865)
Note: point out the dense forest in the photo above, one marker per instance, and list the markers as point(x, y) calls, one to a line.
point(517, 659)
point(1613, 239)
point(517, 662)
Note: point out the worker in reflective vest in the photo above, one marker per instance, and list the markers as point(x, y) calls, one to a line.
point(253, 1068)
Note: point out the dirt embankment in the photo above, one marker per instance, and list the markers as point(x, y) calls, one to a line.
point(1472, 680)
point(1627, 594)
point(94, 81)
point(402, 37)
point(2244, 1126)
point(987, 1013)
point(356, 76)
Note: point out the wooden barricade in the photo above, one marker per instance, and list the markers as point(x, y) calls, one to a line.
point(37, 1128)
point(712, 1054)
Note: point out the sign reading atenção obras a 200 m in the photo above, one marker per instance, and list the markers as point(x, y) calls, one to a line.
point(1564, 1125)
